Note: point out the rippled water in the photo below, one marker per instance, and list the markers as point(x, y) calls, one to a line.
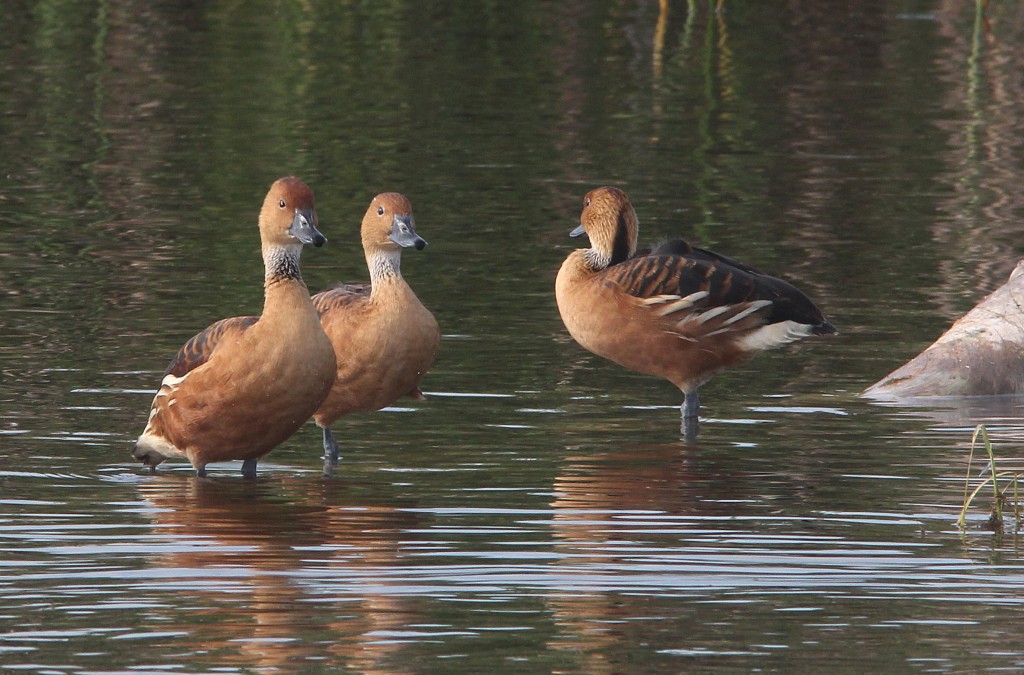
point(539, 511)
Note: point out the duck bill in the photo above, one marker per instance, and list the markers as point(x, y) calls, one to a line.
point(578, 232)
point(403, 233)
point(304, 228)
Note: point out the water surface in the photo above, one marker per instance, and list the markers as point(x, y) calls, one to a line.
point(539, 511)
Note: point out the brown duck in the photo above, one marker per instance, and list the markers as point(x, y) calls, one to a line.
point(676, 312)
point(245, 384)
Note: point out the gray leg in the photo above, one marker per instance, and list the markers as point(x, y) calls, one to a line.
point(330, 447)
point(691, 404)
point(690, 422)
point(249, 468)
point(689, 429)
point(201, 472)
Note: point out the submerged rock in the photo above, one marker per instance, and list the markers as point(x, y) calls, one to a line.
point(982, 354)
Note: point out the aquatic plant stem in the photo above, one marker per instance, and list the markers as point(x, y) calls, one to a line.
point(996, 520)
point(997, 508)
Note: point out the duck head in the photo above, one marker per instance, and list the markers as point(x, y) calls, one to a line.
point(389, 224)
point(288, 216)
point(610, 222)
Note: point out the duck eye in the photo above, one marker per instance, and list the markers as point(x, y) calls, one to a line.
point(280, 202)
point(380, 210)
point(586, 202)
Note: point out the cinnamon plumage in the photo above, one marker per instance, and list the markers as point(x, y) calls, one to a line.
point(385, 340)
point(676, 312)
point(243, 385)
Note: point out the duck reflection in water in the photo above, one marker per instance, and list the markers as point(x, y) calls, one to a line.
point(614, 514)
point(676, 312)
point(279, 544)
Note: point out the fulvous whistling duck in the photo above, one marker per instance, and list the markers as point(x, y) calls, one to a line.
point(676, 312)
point(384, 338)
point(245, 384)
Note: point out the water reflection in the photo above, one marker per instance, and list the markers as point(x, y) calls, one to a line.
point(676, 547)
point(865, 150)
point(953, 420)
point(251, 558)
point(611, 512)
point(978, 213)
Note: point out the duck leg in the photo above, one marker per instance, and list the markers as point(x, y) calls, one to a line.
point(330, 447)
point(201, 472)
point(249, 468)
point(691, 404)
point(690, 420)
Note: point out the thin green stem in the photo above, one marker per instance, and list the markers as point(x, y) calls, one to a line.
point(997, 508)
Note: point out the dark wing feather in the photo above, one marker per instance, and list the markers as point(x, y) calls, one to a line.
point(683, 248)
point(676, 268)
point(339, 296)
point(199, 348)
point(790, 304)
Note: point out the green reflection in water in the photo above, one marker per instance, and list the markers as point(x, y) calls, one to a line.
point(835, 144)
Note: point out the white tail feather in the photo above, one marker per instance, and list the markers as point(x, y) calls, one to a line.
point(774, 335)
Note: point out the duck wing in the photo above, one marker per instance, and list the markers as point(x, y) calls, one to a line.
point(340, 296)
point(201, 346)
point(699, 293)
point(681, 247)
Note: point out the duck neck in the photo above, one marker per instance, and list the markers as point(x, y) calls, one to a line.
point(281, 263)
point(282, 278)
point(595, 260)
point(385, 268)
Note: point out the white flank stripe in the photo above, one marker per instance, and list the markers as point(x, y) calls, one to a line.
point(676, 306)
point(754, 306)
point(712, 313)
point(658, 299)
point(171, 381)
point(696, 297)
point(681, 336)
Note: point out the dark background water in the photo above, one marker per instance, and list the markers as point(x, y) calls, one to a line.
point(539, 512)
